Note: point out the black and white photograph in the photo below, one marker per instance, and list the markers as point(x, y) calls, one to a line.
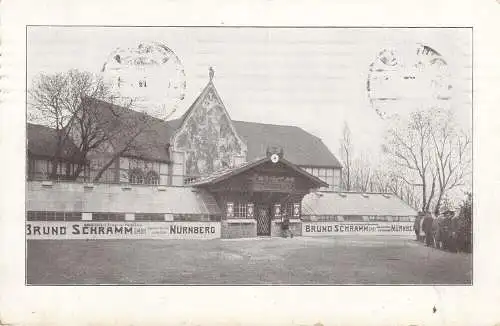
point(249, 155)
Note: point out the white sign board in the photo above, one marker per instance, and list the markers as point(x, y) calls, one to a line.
point(122, 230)
point(332, 228)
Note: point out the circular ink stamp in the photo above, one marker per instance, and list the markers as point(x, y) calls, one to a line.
point(149, 77)
point(408, 78)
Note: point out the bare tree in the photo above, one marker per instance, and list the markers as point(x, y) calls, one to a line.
point(79, 106)
point(361, 172)
point(346, 155)
point(452, 157)
point(385, 180)
point(428, 153)
point(58, 101)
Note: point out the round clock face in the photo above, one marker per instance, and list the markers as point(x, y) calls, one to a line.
point(403, 80)
point(150, 76)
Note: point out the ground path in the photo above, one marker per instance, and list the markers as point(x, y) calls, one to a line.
point(357, 259)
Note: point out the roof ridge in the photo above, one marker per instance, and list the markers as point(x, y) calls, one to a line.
point(358, 193)
point(39, 125)
point(285, 126)
point(269, 124)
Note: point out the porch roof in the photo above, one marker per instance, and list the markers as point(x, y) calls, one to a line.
point(225, 174)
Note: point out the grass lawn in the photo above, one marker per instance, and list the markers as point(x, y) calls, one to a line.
point(301, 260)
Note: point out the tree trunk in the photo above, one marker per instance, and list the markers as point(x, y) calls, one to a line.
point(105, 167)
point(424, 194)
point(53, 170)
point(438, 204)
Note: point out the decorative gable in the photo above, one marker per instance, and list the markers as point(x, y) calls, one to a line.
point(207, 136)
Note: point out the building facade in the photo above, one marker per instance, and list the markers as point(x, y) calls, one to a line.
point(201, 168)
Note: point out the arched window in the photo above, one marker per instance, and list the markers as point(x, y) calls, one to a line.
point(152, 178)
point(136, 176)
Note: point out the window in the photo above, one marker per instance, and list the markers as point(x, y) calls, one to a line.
point(353, 218)
point(53, 216)
point(215, 218)
point(191, 217)
point(136, 176)
point(289, 210)
point(336, 178)
point(380, 218)
point(152, 178)
point(108, 216)
point(240, 210)
point(157, 217)
point(329, 180)
point(190, 179)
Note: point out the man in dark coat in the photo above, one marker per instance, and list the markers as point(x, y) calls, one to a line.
point(436, 232)
point(416, 225)
point(427, 228)
point(285, 226)
point(449, 230)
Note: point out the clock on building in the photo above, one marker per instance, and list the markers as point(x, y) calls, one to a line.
point(402, 80)
point(150, 76)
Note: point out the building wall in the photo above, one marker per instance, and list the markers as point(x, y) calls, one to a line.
point(177, 168)
point(110, 175)
point(238, 229)
point(146, 168)
point(66, 197)
point(41, 168)
point(295, 227)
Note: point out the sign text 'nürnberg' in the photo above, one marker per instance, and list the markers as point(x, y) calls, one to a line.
point(122, 230)
point(330, 228)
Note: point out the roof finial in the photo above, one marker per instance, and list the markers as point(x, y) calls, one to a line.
point(211, 73)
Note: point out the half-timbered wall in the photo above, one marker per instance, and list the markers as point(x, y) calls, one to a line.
point(137, 171)
point(328, 175)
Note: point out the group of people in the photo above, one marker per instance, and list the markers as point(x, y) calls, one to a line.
point(446, 231)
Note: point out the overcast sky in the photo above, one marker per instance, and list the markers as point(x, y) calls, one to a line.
point(312, 78)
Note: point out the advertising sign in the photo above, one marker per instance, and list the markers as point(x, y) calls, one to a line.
point(334, 228)
point(272, 183)
point(296, 210)
point(122, 230)
point(250, 210)
point(277, 210)
point(229, 209)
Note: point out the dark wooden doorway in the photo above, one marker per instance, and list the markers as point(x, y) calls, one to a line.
point(263, 220)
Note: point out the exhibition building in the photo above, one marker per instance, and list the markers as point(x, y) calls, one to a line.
point(201, 176)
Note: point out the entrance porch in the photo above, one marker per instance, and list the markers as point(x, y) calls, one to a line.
point(258, 196)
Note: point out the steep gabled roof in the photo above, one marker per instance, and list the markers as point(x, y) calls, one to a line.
point(153, 137)
point(299, 146)
point(42, 142)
